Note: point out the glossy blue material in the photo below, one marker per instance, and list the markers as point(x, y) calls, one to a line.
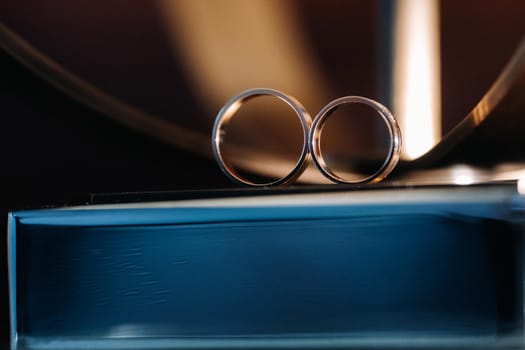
point(268, 272)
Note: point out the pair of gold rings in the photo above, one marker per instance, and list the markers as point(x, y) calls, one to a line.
point(312, 131)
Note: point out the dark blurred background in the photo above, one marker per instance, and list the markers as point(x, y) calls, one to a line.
point(56, 150)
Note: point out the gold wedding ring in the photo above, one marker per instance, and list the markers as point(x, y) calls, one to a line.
point(394, 132)
point(226, 114)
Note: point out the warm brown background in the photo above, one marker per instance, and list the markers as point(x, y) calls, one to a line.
point(122, 48)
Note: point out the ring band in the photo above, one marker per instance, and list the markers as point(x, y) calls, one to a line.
point(393, 130)
point(227, 112)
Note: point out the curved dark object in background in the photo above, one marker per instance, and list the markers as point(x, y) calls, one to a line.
point(47, 134)
point(88, 94)
point(493, 132)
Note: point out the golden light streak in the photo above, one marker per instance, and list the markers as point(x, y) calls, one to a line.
point(417, 95)
point(232, 45)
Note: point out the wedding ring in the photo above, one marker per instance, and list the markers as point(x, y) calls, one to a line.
point(228, 111)
point(394, 132)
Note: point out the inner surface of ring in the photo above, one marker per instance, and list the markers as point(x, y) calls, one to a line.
point(354, 141)
point(263, 129)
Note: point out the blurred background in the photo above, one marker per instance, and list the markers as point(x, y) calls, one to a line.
point(138, 85)
point(430, 62)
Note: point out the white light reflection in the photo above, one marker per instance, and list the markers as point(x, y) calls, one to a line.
point(127, 331)
point(521, 186)
point(417, 95)
point(463, 175)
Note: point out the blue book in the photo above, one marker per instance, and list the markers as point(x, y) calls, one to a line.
point(379, 268)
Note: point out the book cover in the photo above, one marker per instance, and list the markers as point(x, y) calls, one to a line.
point(411, 268)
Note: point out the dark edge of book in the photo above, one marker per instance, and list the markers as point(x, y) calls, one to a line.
point(160, 196)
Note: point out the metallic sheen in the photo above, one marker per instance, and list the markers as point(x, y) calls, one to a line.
point(393, 130)
point(229, 110)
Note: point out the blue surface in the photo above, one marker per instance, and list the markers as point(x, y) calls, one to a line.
point(321, 271)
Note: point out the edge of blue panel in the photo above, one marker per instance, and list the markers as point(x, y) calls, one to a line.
point(11, 263)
